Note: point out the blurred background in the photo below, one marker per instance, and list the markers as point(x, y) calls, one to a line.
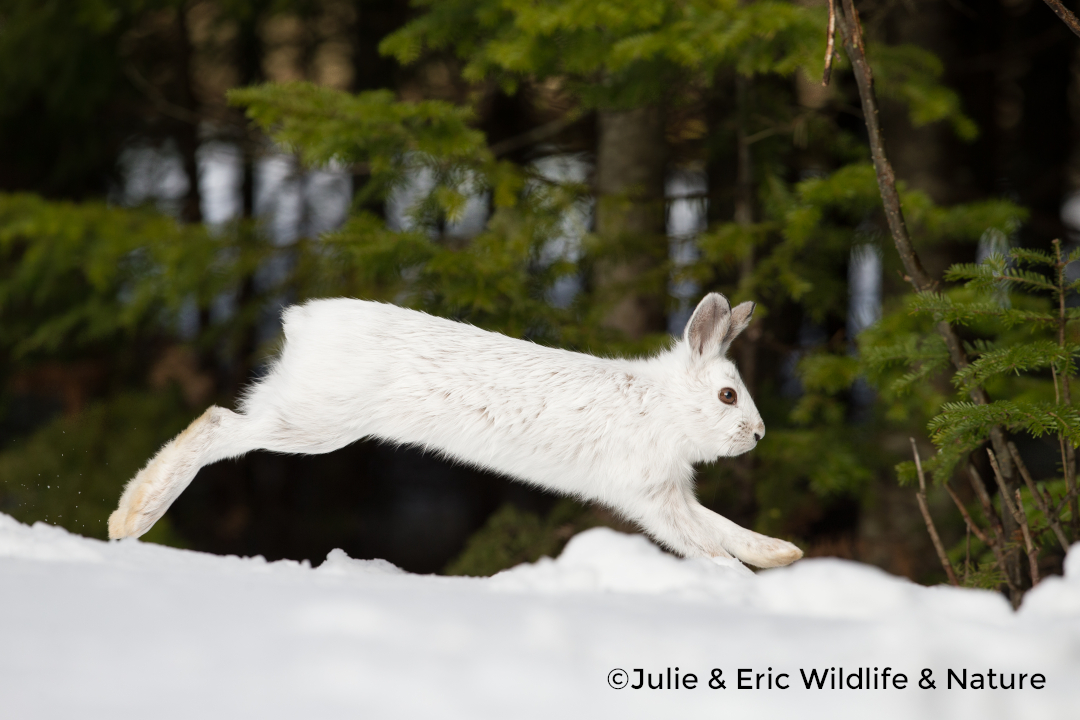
point(574, 173)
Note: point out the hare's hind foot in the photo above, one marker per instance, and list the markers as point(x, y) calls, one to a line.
point(144, 500)
point(156, 486)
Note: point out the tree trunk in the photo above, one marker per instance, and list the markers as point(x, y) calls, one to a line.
point(631, 275)
point(188, 133)
point(748, 343)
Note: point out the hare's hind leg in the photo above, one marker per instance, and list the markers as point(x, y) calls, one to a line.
point(217, 434)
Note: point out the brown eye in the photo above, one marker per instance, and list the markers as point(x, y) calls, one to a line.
point(728, 396)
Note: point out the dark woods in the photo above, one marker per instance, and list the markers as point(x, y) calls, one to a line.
point(173, 173)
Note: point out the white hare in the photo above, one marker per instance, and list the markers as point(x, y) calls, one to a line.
point(624, 433)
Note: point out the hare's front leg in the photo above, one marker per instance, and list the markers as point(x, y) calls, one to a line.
point(752, 548)
point(676, 519)
point(218, 433)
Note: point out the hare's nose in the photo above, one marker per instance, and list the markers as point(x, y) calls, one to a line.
point(759, 432)
point(757, 437)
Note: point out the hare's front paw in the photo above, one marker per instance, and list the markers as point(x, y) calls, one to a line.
point(766, 552)
point(779, 553)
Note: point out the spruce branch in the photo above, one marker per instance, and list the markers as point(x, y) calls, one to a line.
point(1014, 359)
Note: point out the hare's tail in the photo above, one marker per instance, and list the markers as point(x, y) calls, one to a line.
point(217, 434)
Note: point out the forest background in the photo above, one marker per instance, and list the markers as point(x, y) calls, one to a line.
point(575, 173)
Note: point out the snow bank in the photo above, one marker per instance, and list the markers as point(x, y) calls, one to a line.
point(128, 629)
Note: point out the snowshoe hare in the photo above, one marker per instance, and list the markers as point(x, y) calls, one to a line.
point(624, 433)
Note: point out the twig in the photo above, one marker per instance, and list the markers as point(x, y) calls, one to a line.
point(972, 527)
point(542, 132)
point(984, 498)
point(163, 105)
point(967, 554)
point(998, 544)
point(1068, 452)
point(830, 42)
point(851, 30)
point(1040, 502)
point(921, 496)
point(1033, 554)
point(1065, 500)
point(1065, 14)
point(1018, 516)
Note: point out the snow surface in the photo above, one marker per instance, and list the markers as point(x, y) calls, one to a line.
point(127, 629)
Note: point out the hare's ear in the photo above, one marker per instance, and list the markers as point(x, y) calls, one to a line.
point(708, 326)
point(741, 315)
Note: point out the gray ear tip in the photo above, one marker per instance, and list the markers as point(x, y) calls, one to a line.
point(719, 299)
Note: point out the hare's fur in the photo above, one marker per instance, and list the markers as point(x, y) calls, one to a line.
point(624, 433)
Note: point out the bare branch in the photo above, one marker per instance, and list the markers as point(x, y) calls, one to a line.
point(1032, 552)
point(537, 134)
point(1040, 502)
point(998, 544)
point(921, 497)
point(851, 29)
point(1065, 14)
point(1068, 452)
point(830, 43)
point(1018, 515)
point(972, 527)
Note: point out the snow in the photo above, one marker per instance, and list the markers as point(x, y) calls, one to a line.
point(130, 629)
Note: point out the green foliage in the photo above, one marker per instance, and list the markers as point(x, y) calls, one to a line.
point(82, 276)
point(961, 427)
point(68, 473)
point(1014, 359)
point(1023, 340)
point(499, 279)
point(912, 75)
point(512, 536)
point(611, 54)
point(389, 137)
point(59, 74)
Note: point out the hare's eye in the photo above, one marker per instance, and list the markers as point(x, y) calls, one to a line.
point(728, 396)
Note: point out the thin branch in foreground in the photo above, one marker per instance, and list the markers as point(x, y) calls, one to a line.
point(1053, 520)
point(967, 554)
point(1033, 553)
point(972, 527)
point(998, 544)
point(830, 44)
point(851, 32)
point(537, 134)
point(921, 497)
point(1018, 516)
point(984, 498)
point(1065, 14)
